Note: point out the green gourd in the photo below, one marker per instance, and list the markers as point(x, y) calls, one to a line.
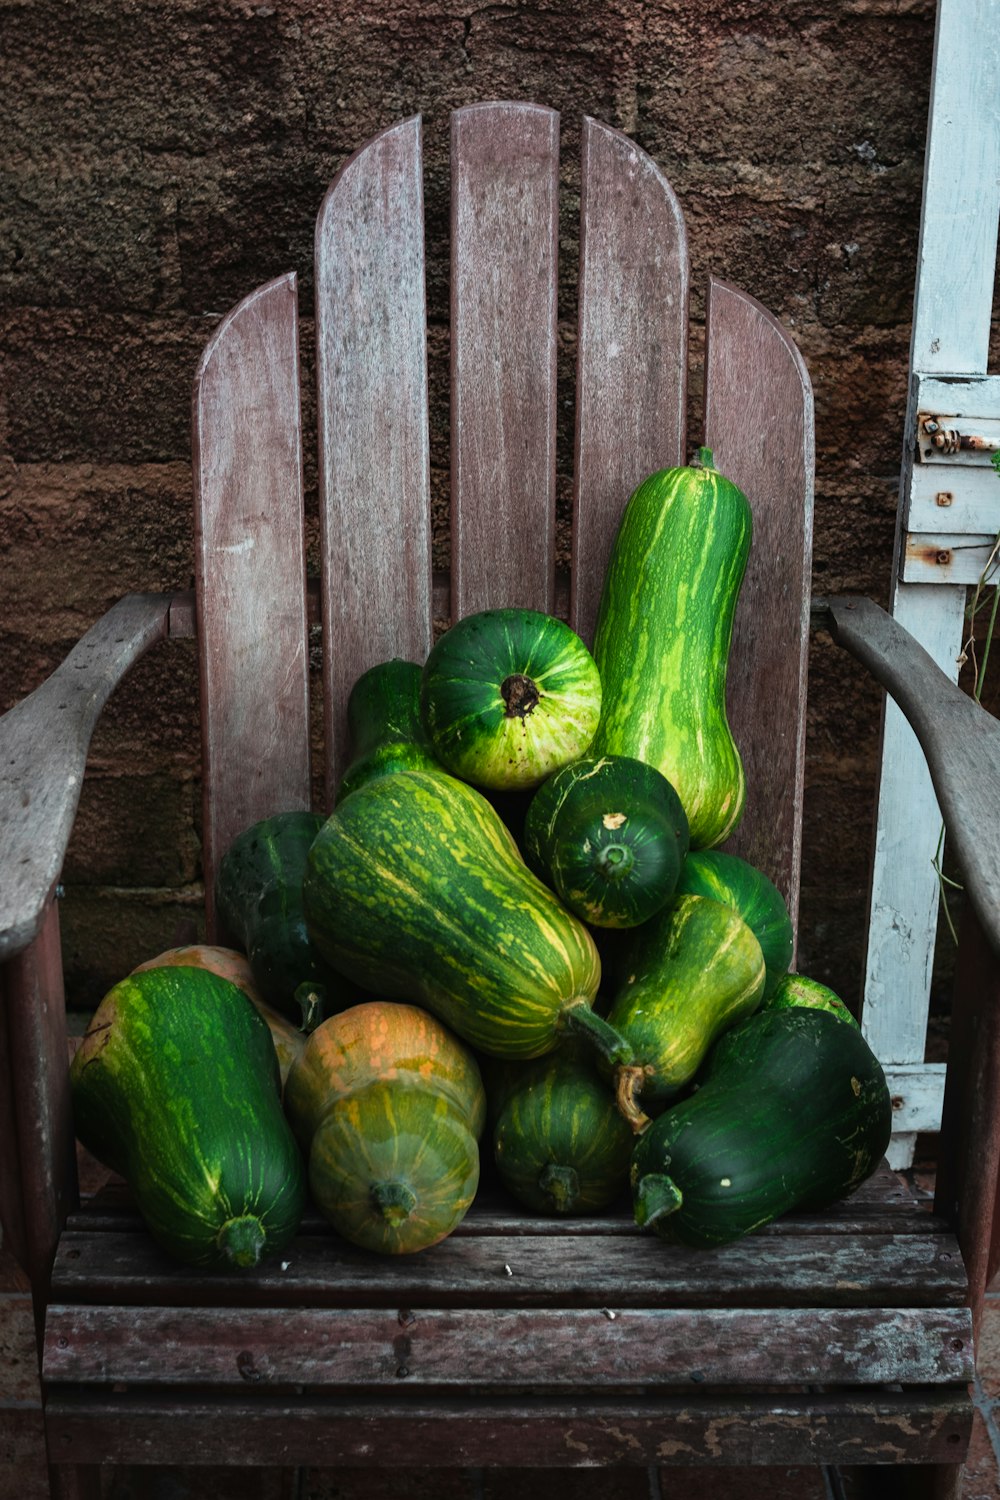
point(727, 878)
point(508, 696)
point(384, 725)
point(797, 989)
point(415, 889)
point(176, 1087)
point(792, 1111)
point(689, 973)
point(608, 834)
point(664, 631)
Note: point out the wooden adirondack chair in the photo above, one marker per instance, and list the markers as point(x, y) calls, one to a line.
point(842, 1337)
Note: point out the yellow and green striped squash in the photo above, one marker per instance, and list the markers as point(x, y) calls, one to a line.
point(176, 1087)
point(415, 889)
point(663, 635)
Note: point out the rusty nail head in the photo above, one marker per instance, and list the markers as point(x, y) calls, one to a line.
point(943, 557)
point(944, 497)
point(929, 425)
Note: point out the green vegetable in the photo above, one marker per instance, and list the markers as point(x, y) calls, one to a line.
point(608, 835)
point(559, 1142)
point(796, 989)
point(176, 1087)
point(727, 878)
point(415, 889)
point(383, 721)
point(792, 1111)
point(663, 635)
point(690, 972)
point(509, 696)
point(258, 898)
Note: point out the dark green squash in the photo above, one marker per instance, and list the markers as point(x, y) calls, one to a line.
point(258, 899)
point(608, 834)
point(727, 878)
point(688, 973)
point(559, 1142)
point(416, 889)
point(664, 631)
point(176, 1087)
point(791, 1111)
point(508, 696)
point(384, 725)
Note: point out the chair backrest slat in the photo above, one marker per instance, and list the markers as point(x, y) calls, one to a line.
point(632, 350)
point(250, 576)
point(759, 425)
point(371, 338)
point(504, 207)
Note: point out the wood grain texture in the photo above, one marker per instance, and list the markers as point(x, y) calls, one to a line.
point(372, 412)
point(504, 208)
point(636, 1271)
point(960, 740)
point(494, 1350)
point(44, 741)
point(631, 375)
point(250, 572)
point(39, 1080)
point(759, 425)
point(888, 1428)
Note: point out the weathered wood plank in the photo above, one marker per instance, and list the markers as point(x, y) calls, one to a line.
point(372, 409)
point(759, 425)
point(250, 573)
point(631, 375)
point(874, 1270)
point(504, 1350)
point(36, 1036)
point(960, 740)
point(44, 741)
point(887, 1428)
point(504, 207)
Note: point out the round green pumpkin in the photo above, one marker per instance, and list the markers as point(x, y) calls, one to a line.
point(508, 696)
point(559, 1142)
point(608, 833)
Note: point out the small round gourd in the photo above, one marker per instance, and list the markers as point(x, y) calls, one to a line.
point(608, 833)
point(508, 696)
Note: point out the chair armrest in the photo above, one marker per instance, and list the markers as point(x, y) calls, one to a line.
point(960, 740)
point(44, 741)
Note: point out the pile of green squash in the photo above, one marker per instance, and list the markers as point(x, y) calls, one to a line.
point(515, 937)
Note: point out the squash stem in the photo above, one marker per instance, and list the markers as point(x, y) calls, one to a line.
point(393, 1200)
point(628, 1086)
point(703, 459)
point(561, 1186)
point(311, 1000)
point(656, 1195)
point(241, 1240)
point(579, 1019)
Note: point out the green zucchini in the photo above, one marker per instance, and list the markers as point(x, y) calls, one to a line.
point(791, 1111)
point(689, 973)
point(258, 899)
point(664, 630)
point(176, 1087)
point(796, 989)
point(415, 889)
point(727, 878)
point(384, 725)
point(608, 834)
point(559, 1142)
point(508, 696)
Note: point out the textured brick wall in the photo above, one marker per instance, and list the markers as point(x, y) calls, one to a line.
point(161, 160)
